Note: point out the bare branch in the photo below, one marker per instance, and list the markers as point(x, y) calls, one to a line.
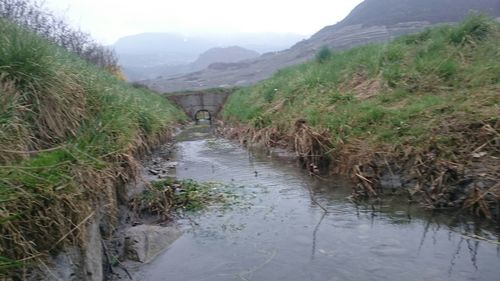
point(31, 15)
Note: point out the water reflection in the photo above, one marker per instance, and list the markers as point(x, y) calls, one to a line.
point(289, 226)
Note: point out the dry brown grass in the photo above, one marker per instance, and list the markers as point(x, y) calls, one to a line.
point(437, 175)
point(55, 111)
point(60, 108)
point(362, 86)
point(311, 145)
point(14, 132)
point(467, 176)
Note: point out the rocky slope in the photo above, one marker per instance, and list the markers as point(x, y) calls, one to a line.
point(371, 21)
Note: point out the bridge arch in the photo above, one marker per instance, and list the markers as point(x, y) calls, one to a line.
point(203, 114)
point(202, 101)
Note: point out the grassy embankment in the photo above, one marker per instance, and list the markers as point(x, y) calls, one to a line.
point(424, 106)
point(69, 133)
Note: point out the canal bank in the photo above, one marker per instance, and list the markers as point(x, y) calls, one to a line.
point(287, 225)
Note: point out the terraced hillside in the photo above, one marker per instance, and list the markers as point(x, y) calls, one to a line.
point(372, 21)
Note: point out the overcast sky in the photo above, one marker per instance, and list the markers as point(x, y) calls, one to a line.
point(108, 20)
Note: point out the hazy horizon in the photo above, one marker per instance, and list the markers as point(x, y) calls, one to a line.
point(107, 21)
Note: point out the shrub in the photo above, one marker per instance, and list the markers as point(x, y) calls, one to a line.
point(324, 54)
point(475, 27)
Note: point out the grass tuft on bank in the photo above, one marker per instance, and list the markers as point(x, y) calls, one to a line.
point(432, 96)
point(69, 132)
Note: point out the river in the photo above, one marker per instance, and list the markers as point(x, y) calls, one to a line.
point(278, 232)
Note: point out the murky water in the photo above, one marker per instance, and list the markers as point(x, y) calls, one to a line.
point(276, 232)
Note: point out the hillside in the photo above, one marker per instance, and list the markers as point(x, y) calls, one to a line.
point(418, 116)
point(149, 55)
point(223, 55)
point(148, 49)
point(215, 55)
point(69, 135)
point(372, 21)
point(391, 12)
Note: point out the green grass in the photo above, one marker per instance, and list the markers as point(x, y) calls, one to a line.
point(396, 93)
point(165, 196)
point(68, 133)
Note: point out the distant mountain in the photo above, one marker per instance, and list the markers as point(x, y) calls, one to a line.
point(223, 55)
point(260, 42)
point(215, 55)
point(160, 47)
point(371, 21)
point(153, 55)
point(149, 55)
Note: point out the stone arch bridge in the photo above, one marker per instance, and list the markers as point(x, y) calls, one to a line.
point(194, 102)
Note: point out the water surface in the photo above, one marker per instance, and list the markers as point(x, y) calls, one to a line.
point(276, 232)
